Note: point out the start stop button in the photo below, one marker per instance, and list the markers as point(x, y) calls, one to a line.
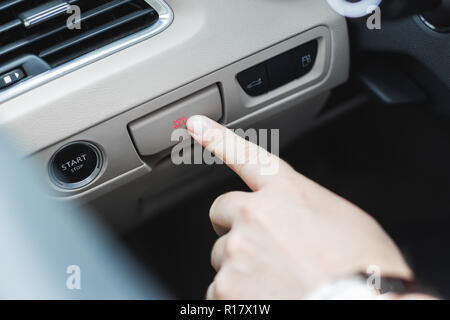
point(75, 165)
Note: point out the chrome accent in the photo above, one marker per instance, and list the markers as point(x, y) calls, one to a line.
point(47, 14)
point(432, 26)
point(166, 17)
point(85, 182)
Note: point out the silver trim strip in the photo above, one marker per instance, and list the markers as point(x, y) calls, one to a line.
point(47, 14)
point(86, 181)
point(432, 26)
point(166, 17)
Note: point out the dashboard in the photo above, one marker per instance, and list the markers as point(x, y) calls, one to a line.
point(102, 120)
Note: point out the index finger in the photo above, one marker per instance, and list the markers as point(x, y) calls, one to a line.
point(253, 164)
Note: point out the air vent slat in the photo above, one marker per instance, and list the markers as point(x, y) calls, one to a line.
point(13, 46)
point(101, 22)
point(93, 33)
point(105, 8)
point(10, 25)
point(10, 3)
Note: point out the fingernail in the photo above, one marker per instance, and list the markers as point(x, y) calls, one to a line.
point(198, 125)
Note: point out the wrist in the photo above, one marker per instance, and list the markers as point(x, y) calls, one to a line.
point(362, 286)
point(352, 287)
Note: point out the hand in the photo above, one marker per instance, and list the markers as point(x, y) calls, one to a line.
point(289, 235)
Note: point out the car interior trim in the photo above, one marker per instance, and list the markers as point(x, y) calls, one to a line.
point(166, 17)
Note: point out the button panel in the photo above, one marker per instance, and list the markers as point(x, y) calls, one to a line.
point(254, 80)
point(153, 133)
point(279, 70)
point(10, 78)
point(304, 58)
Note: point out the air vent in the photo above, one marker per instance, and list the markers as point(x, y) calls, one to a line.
point(39, 27)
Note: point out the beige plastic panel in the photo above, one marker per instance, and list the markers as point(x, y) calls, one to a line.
point(208, 43)
point(204, 37)
point(152, 134)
